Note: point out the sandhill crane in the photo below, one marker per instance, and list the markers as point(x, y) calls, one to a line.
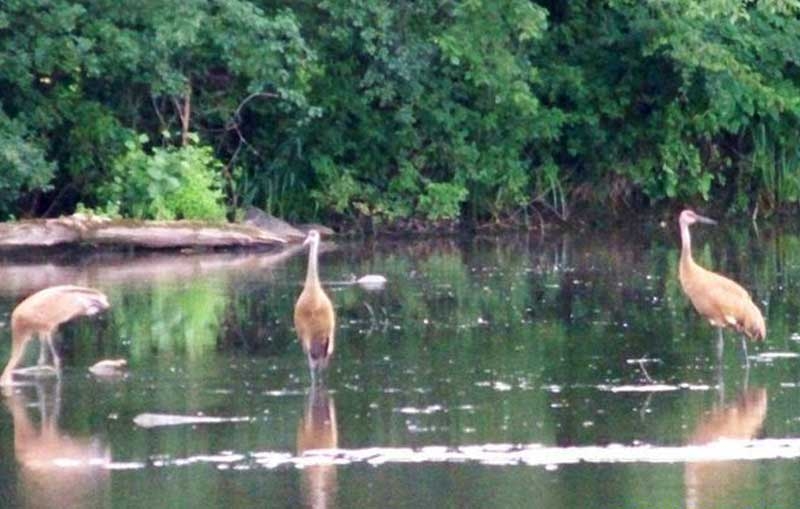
point(313, 313)
point(720, 300)
point(317, 430)
point(41, 314)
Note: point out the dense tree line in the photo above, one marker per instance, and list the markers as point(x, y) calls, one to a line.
point(384, 111)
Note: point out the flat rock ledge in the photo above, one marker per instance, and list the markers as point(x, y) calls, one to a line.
point(81, 229)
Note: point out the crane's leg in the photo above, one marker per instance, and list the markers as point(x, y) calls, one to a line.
point(42, 354)
point(719, 370)
point(744, 351)
point(746, 382)
point(45, 345)
point(16, 355)
point(56, 359)
point(312, 371)
point(56, 403)
point(41, 401)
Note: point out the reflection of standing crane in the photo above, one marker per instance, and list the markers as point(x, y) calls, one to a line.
point(317, 430)
point(42, 313)
point(722, 483)
point(720, 300)
point(313, 313)
point(55, 469)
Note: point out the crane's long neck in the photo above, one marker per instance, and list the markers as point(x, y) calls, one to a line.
point(312, 275)
point(686, 247)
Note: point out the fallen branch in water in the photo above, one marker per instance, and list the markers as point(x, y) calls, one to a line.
point(95, 230)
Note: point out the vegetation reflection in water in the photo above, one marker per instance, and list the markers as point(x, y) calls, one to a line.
point(487, 370)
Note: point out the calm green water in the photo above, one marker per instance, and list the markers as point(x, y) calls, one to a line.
point(488, 372)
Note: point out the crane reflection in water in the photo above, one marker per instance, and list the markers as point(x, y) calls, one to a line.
point(54, 468)
point(318, 430)
point(720, 483)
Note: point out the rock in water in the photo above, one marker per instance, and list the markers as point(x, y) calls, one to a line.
point(371, 281)
point(109, 367)
point(260, 219)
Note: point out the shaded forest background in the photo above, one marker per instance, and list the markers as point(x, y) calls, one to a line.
point(380, 112)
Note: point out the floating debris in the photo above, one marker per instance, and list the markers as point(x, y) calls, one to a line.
point(36, 370)
point(371, 282)
point(644, 360)
point(109, 367)
point(771, 356)
point(410, 410)
point(284, 392)
point(639, 388)
point(697, 387)
point(155, 420)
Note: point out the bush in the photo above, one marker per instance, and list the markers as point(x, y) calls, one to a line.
point(170, 183)
point(22, 165)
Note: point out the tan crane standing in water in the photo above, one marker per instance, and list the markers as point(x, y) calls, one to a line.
point(41, 314)
point(723, 302)
point(314, 318)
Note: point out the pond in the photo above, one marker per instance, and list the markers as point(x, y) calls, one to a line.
point(515, 371)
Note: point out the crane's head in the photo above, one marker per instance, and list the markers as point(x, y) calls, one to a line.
point(311, 238)
point(690, 217)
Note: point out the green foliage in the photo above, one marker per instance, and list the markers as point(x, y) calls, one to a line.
point(338, 188)
point(344, 109)
point(442, 200)
point(170, 183)
point(444, 118)
point(775, 161)
point(193, 332)
point(77, 78)
point(23, 165)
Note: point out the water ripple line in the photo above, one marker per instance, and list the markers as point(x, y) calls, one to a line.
point(491, 455)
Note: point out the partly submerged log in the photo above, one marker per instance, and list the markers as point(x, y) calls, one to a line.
point(50, 232)
point(181, 234)
point(96, 230)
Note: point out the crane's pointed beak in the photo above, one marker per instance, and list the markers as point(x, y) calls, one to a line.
point(703, 219)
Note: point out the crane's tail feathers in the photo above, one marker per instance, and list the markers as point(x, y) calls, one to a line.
point(318, 350)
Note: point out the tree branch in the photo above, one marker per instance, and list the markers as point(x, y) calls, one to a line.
point(265, 95)
point(184, 113)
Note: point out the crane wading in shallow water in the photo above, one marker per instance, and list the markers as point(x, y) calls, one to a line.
point(41, 314)
point(720, 300)
point(313, 314)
